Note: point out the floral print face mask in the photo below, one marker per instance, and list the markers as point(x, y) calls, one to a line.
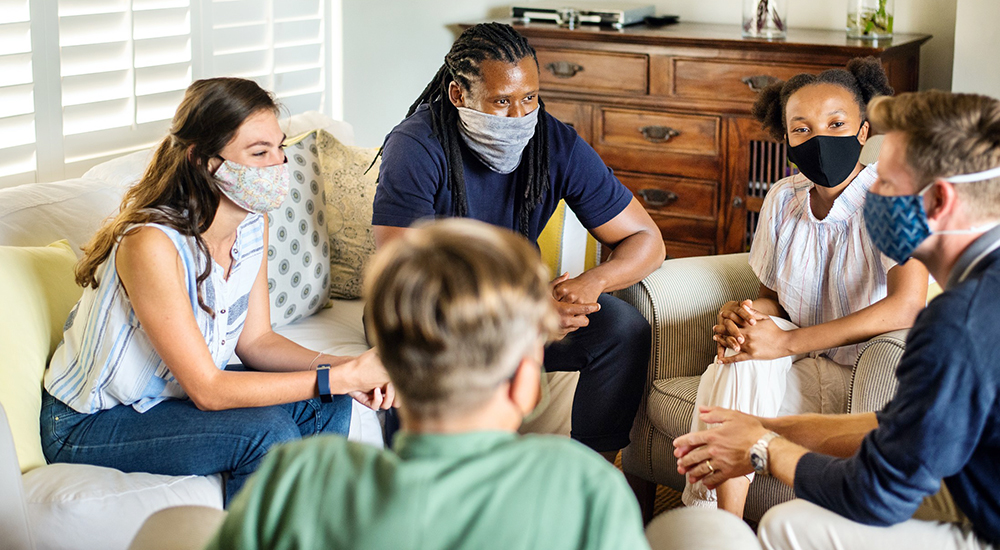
point(257, 189)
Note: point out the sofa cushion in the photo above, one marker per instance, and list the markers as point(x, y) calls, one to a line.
point(37, 214)
point(37, 291)
point(80, 506)
point(671, 404)
point(349, 195)
point(298, 266)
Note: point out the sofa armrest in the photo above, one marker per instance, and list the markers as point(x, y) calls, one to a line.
point(873, 382)
point(13, 513)
point(681, 300)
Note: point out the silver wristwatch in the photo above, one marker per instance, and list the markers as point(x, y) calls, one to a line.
point(759, 456)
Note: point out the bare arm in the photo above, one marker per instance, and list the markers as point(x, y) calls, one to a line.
point(385, 234)
point(153, 276)
point(906, 296)
point(728, 443)
point(638, 251)
point(835, 435)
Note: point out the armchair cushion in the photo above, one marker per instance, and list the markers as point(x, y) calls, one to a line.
point(671, 404)
point(37, 291)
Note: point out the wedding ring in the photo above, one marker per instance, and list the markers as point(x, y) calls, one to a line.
point(708, 463)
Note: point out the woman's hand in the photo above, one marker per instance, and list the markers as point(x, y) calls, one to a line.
point(763, 340)
point(370, 381)
point(733, 316)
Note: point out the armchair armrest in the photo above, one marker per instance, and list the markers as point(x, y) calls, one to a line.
point(681, 300)
point(13, 513)
point(873, 382)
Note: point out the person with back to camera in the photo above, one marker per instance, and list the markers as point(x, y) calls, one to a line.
point(461, 311)
point(175, 284)
point(824, 287)
point(478, 143)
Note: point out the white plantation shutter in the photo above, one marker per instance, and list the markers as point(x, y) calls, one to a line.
point(124, 65)
point(82, 81)
point(280, 44)
point(18, 161)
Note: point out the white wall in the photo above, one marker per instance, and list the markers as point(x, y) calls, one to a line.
point(977, 47)
point(393, 47)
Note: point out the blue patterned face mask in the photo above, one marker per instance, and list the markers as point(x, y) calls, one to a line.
point(897, 225)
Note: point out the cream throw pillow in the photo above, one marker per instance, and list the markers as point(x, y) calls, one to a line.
point(349, 196)
point(37, 290)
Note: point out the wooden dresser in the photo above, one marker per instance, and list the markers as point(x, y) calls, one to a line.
point(668, 109)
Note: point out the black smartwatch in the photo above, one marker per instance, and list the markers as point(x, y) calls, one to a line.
point(323, 383)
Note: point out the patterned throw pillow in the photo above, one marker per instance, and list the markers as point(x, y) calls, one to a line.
point(298, 252)
point(349, 196)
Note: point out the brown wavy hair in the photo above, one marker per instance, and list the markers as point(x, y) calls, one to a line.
point(177, 190)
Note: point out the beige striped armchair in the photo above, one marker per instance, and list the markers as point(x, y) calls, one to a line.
point(681, 300)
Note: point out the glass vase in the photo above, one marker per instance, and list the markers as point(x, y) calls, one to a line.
point(765, 19)
point(869, 19)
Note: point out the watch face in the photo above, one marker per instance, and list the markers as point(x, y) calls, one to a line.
point(757, 461)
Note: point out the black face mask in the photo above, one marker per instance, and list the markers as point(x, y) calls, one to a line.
point(826, 160)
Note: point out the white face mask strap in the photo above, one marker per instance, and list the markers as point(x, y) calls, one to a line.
point(978, 176)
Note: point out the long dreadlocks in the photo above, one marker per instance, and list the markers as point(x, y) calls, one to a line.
point(487, 41)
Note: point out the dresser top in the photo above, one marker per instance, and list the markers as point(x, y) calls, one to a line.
point(721, 36)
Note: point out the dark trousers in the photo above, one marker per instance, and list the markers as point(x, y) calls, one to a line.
point(612, 354)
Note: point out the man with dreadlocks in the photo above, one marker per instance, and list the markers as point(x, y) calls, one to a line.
point(478, 143)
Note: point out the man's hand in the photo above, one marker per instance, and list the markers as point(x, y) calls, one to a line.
point(578, 290)
point(726, 446)
point(763, 340)
point(573, 316)
point(572, 313)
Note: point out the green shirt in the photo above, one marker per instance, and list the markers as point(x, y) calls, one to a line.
point(473, 490)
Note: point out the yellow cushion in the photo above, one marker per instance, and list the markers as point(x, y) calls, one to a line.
point(37, 291)
point(556, 248)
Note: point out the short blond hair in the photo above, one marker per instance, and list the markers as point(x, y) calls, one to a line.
point(947, 135)
point(454, 306)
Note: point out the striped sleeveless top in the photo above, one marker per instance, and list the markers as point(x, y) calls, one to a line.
point(106, 358)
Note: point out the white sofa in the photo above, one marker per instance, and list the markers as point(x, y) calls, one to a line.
point(79, 506)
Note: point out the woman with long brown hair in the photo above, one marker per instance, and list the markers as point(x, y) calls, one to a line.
point(174, 285)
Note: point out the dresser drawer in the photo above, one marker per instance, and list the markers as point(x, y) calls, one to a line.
point(733, 81)
point(682, 228)
point(677, 249)
point(658, 142)
point(656, 131)
point(673, 196)
point(593, 72)
point(575, 115)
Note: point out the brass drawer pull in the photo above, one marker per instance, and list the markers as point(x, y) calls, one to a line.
point(658, 197)
point(659, 134)
point(758, 82)
point(564, 69)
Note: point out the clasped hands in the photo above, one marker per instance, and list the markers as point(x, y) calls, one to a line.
point(749, 333)
point(722, 452)
point(575, 299)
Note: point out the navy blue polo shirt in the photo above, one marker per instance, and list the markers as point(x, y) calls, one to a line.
point(943, 423)
point(413, 181)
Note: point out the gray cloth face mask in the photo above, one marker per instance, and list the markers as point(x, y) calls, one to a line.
point(498, 141)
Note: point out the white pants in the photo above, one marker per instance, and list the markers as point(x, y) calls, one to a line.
point(802, 525)
point(778, 387)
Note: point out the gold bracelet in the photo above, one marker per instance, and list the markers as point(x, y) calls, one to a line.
point(314, 360)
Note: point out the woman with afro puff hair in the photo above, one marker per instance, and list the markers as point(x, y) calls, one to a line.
point(824, 287)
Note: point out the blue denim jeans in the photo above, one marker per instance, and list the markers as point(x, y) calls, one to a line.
point(176, 438)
